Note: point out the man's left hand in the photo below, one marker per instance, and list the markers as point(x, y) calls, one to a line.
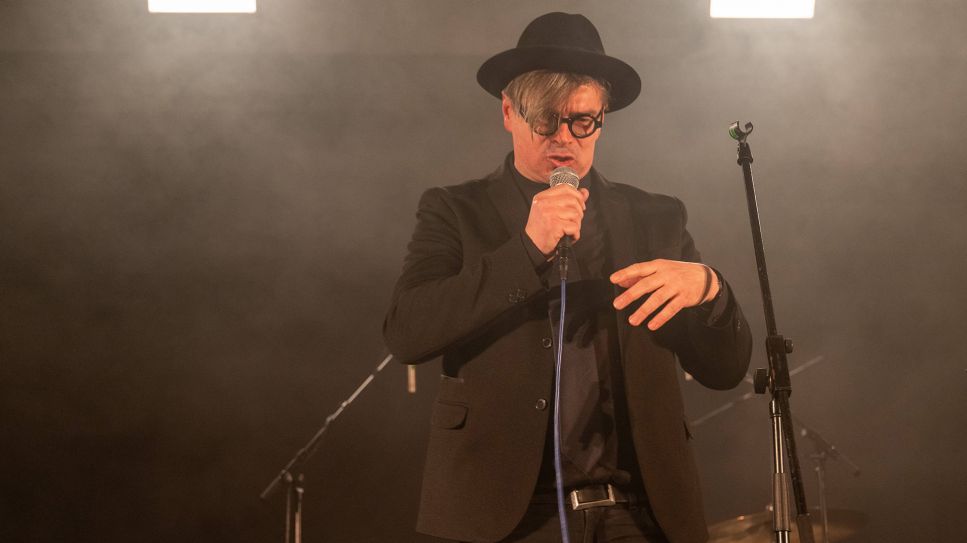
point(674, 284)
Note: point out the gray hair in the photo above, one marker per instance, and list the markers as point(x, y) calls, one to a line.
point(540, 93)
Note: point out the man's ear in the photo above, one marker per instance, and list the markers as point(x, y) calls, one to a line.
point(508, 110)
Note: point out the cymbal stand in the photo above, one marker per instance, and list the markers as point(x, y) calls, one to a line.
point(820, 459)
point(824, 450)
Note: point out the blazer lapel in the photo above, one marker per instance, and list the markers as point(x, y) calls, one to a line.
point(616, 212)
point(507, 198)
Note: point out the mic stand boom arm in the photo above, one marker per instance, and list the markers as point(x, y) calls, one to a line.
point(777, 378)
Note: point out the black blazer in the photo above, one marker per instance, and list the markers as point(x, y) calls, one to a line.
point(466, 293)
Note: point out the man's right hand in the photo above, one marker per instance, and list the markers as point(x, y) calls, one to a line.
point(554, 213)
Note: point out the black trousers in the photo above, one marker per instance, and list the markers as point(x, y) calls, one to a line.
point(617, 523)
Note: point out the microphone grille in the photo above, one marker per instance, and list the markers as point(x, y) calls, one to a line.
point(565, 176)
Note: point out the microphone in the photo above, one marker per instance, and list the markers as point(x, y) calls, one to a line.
point(564, 176)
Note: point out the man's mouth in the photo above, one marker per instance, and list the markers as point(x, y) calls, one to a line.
point(560, 160)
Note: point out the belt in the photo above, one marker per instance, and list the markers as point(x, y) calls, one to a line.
point(590, 496)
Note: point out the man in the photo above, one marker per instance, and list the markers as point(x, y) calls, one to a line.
point(479, 287)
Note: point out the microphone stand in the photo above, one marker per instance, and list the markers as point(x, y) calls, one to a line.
point(295, 487)
point(776, 379)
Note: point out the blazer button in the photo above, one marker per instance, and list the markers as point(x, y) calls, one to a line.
point(547, 343)
point(517, 296)
point(541, 404)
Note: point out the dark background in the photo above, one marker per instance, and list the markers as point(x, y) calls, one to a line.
point(202, 218)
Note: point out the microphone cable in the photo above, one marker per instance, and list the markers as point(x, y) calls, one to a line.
point(558, 470)
point(561, 176)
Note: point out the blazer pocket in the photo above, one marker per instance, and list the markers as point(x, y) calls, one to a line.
point(451, 390)
point(449, 416)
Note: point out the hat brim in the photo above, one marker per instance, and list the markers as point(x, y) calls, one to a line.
point(500, 69)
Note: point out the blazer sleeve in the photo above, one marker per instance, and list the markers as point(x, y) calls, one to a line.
point(717, 343)
point(444, 296)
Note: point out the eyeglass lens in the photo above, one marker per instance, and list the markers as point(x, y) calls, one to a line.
point(581, 126)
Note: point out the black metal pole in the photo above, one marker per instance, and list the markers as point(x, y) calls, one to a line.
point(777, 378)
point(288, 507)
point(780, 495)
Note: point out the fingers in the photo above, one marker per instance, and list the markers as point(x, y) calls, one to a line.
point(670, 310)
point(572, 229)
point(637, 290)
point(671, 286)
point(566, 192)
point(559, 199)
point(649, 306)
point(627, 277)
point(662, 297)
point(556, 212)
point(562, 218)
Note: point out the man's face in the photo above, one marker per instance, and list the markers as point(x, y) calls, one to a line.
point(536, 156)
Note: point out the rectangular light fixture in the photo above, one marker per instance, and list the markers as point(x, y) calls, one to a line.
point(762, 9)
point(201, 6)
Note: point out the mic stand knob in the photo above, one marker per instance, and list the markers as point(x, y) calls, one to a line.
point(760, 380)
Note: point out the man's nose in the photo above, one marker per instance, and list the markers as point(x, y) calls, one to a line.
point(563, 135)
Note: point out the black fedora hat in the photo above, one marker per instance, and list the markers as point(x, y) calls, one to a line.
point(561, 42)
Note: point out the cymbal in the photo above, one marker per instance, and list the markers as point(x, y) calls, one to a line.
point(757, 527)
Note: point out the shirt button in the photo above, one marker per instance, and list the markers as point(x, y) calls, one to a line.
point(547, 343)
point(541, 404)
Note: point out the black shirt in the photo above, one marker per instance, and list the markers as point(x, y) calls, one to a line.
point(591, 315)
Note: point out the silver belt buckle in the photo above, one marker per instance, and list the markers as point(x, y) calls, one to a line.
point(578, 505)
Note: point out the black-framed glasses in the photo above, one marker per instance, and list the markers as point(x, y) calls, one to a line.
point(581, 126)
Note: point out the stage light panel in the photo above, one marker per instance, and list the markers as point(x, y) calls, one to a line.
point(762, 9)
point(201, 6)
